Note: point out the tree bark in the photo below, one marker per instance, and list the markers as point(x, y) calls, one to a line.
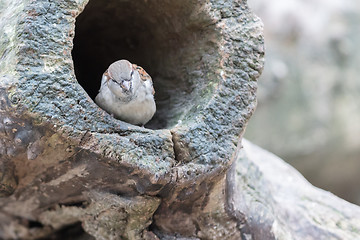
point(70, 170)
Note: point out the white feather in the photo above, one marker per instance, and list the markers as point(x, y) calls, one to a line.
point(138, 111)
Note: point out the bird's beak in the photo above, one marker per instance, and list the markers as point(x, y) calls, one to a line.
point(126, 85)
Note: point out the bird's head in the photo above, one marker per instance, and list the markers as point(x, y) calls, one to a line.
point(122, 78)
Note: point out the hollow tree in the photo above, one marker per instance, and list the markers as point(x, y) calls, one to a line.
point(69, 169)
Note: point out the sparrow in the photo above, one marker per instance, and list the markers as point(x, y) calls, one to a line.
point(127, 93)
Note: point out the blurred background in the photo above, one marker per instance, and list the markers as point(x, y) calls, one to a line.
point(309, 93)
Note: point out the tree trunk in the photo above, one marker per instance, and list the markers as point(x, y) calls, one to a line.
point(70, 170)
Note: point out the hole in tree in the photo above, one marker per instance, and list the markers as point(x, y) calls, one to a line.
point(35, 224)
point(70, 232)
point(75, 204)
point(174, 41)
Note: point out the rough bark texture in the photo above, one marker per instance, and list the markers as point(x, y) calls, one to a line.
point(68, 169)
point(65, 161)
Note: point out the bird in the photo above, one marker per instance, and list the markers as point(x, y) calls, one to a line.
point(127, 93)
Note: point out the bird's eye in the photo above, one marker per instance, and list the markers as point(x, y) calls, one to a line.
point(131, 74)
point(114, 81)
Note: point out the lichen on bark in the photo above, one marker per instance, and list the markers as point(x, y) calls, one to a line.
point(67, 167)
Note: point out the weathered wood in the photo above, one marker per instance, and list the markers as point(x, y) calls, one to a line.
point(279, 203)
point(64, 160)
point(67, 167)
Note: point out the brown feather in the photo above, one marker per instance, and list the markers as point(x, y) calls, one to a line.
point(144, 76)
